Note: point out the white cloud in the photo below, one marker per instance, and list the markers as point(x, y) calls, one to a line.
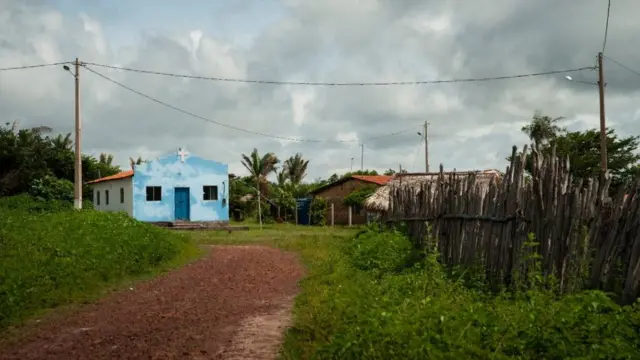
point(472, 124)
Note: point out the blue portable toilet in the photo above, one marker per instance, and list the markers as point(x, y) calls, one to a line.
point(303, 208)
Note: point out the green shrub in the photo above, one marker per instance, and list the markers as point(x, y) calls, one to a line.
point(357, 304)
point(52, 188)
point(382, 252)
point(28, 203)
point(356, 198)
point(53, 258)
point(318, 211)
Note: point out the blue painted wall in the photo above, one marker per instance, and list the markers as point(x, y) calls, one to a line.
point(169, 173)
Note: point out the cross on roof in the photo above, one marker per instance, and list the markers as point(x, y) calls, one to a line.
point(182, 154)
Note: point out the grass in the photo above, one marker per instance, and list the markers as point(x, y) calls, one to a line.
point(51, 256)
point(367, 294)
point(371, 296)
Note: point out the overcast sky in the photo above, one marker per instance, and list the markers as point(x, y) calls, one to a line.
point(472, 125)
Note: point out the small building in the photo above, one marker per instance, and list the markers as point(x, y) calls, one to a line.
point(176, 187)
point(335, 192)
point(378, 202)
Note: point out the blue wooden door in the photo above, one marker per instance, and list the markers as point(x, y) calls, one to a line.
point(182, 204)
point(303, 208)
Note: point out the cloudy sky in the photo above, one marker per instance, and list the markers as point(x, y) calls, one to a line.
point(472, 125)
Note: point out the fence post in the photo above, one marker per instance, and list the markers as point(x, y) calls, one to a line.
point(349, 215)
point(296, 213)
point(332, 215)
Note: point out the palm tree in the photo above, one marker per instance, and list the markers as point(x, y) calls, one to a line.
point(62, 142)
point(133, 162)
point(543, 129)
point(260, 167)
point(296, 168)
point(282, 179)
point(105, 159)
point(15, 127)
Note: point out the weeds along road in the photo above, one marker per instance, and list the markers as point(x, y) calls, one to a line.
point(234, 303)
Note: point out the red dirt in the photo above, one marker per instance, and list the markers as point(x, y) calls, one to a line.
point(233, 304)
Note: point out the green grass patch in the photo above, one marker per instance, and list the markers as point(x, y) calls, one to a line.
point(371, 296)
point(51, 256)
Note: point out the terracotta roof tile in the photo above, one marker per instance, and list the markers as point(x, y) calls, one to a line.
point(118, 176)
point(375, 179)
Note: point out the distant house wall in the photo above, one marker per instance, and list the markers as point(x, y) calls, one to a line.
point(170, 173)
point(336, 194)
point(112, 189)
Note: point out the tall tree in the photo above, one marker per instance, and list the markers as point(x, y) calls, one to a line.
point(282, 178)
point(105, 159)
point(133, 162)
point(61, 142)
point(27, 156)
point(296, 168)
point(582, 148)
point(543, 129)
point(260, 167)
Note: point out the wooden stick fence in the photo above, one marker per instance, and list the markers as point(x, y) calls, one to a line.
point(582, 237)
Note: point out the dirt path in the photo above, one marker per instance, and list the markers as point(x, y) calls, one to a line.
point(233, 304)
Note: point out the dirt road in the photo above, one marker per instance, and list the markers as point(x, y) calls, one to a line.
point(233, 304)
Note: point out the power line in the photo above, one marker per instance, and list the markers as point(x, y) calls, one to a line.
point(606, 27)
point(415, 158)
point(622, 65)
point(34, 66)
point(392, 83)
point(235, 127)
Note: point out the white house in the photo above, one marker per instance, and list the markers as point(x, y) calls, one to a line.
point(171, 188)
point(114, 193)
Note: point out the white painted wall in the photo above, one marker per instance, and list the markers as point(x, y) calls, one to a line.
point(114, 187)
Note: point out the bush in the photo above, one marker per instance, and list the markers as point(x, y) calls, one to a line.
point(356, 198)
point(356, 304)
point(52, 188)
point(379, 252)
point(52, 258)
point(318, 211)
point(28, 203)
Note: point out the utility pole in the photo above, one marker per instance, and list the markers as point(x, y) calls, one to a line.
point(603, 126)
point(426, 147)
point(351, 165)
point(259, 201)
point(362, 157)
point(78, 163)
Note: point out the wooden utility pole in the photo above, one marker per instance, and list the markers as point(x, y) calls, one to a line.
point(259, 207)
point(362, 157)
point(78, 161)
point(603, 125)
point(426, 147)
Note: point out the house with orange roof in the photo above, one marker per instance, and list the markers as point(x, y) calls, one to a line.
point(334, 193)
point(176, 187)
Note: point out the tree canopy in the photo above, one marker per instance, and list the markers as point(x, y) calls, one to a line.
point(583, 148)
point(31, 162)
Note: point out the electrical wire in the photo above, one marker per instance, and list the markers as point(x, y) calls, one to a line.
point(622, 65)
point(235, 127)
point(606, 27)
point(34, 66)
point(274, 82)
